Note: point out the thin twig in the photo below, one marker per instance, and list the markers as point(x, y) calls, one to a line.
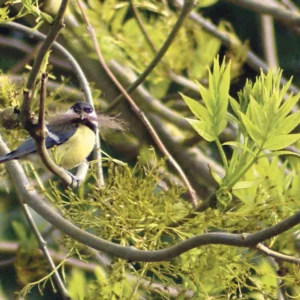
point(290, 5)
point(277, 255)
point(171, 291)
point(43, 95)
point(37, 132)
point(7, 262)
point(40, 136)
point(175, 77)
point(35, 201)
point(22, 62)
point(268, 41)
point(185, 10)
point(46, 45)
point(252, 60)
point(270, 7)
point(43, 246)
point(139, 113)
point(80, 76)
point(84, 85)
point(142, 27)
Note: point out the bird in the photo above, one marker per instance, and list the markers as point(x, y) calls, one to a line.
point(71, 136)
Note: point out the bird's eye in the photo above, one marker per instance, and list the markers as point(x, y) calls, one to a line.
point(88, 110)
point(76, 110)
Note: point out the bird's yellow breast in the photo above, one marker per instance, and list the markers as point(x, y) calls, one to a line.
point(76, 149)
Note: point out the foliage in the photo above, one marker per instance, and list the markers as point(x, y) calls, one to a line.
point(263, 120)
point(255, 168)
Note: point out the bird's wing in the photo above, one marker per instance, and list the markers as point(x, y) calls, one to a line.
point(55, 136)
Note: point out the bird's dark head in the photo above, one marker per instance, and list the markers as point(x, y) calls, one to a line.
point(82, 109)
point(83, 112)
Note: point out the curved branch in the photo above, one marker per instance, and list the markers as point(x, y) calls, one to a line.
point(271, 8)
point(30, 85)
point(43, 246)
point(277, 255)
point(252, 59)
point(185, 10)
point(140, 113)
point(84, 85)
point(149, 284)
point(35, 201)
point(40, 136)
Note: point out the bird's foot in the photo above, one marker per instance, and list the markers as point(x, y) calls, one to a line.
point(75, 183)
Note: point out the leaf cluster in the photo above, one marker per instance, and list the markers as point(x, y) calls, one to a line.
point(263, 118)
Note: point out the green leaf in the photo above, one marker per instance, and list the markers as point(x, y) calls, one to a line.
point(247, 184)
point(47, 18)
point(252, 129)
point(235, 106)
point(206, 97)
point(256, 114)
point(206, 48)
point(205, 3)
point(279, 153)
point(281, 141)
point(286, 107)
point(206, 130)
point(215, 98)
point(223, 89)
point(77, 284)
point(289, 123)
point(239, 145)
point(215, 176)
point(197, 109)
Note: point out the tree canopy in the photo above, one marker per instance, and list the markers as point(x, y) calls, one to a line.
point(198, 198)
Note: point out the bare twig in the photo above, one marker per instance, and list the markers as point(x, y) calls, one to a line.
point(35, 201)
point(277, 255)
point(140, 113)
point(7, 262)
point(22, 63)
point(40, 135)
point(84, 85)
point(270, 7)
point(43, 246)
point(290, 5)
point(175, 77)
point(41, 119)
point(172, 291)
point(37, 132)
point(185, 10)
point(268, 41)
point(30, 51)
point(28, 92)
point(252, 59)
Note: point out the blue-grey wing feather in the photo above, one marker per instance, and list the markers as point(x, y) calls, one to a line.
point(55, 138)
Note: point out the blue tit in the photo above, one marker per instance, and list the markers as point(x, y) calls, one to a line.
point(70, 138)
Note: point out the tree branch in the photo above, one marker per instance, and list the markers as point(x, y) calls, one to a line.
point(84, 85)
point(270, 7)
point(28, 91)
point(35, 201)
point(252, 59)
point(40, 136)
point(43, 246)
point(277, 255)
point(171, 291)
point(139, 112)
point(185, 10)
point(268, 41)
